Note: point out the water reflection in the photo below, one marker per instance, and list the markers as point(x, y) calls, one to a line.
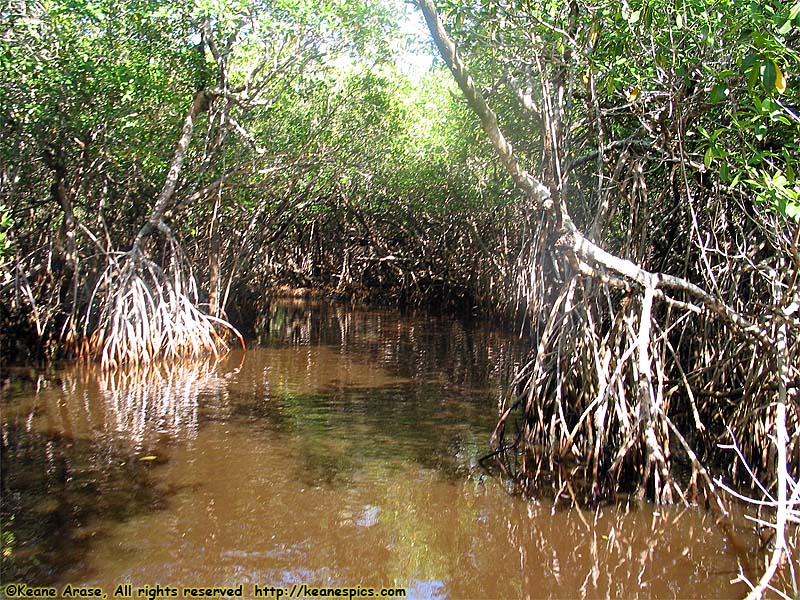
point(625, 551)
point(131, 406)
point(163, 399)
point(339, 453)
point(62, 494)
point(420, 347)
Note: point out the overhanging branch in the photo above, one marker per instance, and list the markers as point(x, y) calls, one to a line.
point(572, 240)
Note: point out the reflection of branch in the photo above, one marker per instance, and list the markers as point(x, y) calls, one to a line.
point(787, 508)
point(142, 400)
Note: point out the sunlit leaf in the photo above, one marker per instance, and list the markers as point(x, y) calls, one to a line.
point(780, 80)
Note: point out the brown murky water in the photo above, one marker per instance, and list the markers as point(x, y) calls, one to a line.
point(339, 452)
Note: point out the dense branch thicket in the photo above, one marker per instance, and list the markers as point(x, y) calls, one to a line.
point(689, 267)
point(664, 296)
point(93, 148)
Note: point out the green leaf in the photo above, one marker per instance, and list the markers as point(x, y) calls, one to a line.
point(769, 75)
point(724, 172)
point(752, 78)
point(707, 36)
point(770, 108)
point(648, 16)
point(709, 157)
point(719, 93)
point(749, 61)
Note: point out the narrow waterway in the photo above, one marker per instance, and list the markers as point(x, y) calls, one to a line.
point(340, 451)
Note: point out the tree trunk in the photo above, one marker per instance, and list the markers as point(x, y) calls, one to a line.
point(156, 220)
point(214, 282)
point(58, 191)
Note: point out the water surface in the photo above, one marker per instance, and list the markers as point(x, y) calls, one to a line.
point(339, 451)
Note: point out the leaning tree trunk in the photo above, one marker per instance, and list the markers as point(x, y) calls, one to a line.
point(200, 104)
point(142, 311)
point(646, 425)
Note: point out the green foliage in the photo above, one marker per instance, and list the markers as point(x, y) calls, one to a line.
point(731, 64)
point(92, 91)
point(6, 247)
point(757, 144)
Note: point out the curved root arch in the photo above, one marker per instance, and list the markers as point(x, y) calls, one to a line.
point(140, 313)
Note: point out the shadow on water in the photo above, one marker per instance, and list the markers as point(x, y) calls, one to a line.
point(340, 430)
point(60, 494)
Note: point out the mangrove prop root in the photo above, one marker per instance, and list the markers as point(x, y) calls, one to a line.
point(623, 351)
point(141, 313)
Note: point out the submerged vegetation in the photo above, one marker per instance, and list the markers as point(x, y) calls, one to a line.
point(632, 207)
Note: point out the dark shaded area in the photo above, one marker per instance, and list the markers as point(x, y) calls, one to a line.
point(58, 496)
point(20, 342)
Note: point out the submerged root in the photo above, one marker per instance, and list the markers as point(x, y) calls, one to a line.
point(140, 313)
point(611, 401)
